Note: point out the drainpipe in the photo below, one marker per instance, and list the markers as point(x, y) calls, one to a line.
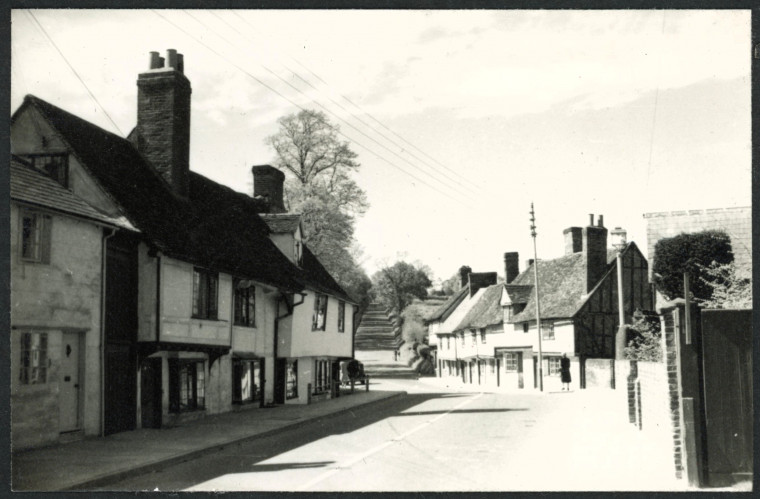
point(103, 255)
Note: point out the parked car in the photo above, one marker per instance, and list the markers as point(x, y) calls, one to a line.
point(351, 369)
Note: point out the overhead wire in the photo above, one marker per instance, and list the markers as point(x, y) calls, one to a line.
point(52, 42)
point(452, 188)
point(392, 141)
point(276, 92)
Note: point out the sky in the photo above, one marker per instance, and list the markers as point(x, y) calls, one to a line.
point(461, 119)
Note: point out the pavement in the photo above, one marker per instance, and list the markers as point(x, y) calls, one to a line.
point(88, 463)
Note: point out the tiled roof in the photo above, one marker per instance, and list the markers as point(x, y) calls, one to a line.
point(314, 275)
point(445, 310)
point(518, 293)
point(562, 286)
point(282, 222)
point(36, 188)
point(486, 312)
point(216, 227)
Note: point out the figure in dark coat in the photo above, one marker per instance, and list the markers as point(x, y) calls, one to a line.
point(564, 370)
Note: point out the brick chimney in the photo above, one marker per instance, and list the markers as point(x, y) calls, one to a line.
point(163, 118)
point(464, 276)
point(573, 240)
point(479, 280)
point(511, 266)
point(595, 251)
point(267, 184)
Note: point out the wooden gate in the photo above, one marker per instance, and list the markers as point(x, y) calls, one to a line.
point(727, 371)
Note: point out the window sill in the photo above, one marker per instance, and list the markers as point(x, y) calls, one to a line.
point(209, 319)
point(244, 325)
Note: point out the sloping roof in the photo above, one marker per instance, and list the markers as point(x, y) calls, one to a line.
point(562, 284)
point(445, 310)
point(518, 293)
point(36, 188)
point(282, 222)
point(215, 227)
point(486, 312)
point(314, 275)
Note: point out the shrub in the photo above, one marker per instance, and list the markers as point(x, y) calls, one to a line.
point(644, 339)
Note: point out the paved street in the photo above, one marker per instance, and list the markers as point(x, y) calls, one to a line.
point(436, 438)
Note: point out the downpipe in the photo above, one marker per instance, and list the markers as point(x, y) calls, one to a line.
point(103, 269)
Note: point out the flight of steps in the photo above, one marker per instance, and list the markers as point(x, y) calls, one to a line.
point(376, 331)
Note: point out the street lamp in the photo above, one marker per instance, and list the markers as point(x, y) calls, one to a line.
point(619, 242)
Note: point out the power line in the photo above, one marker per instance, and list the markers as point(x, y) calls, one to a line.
point(331, 112)
point(295, 104)
point(365, 112)
point(44, 32)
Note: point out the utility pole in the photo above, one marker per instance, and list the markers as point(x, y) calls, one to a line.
point(538, 305)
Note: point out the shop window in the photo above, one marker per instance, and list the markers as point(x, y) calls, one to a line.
point(510, 362)
point(35, 236)
point(187, 385)
point(554, 366)
point(547, 330)
point(341, 316)
point(291, 380)
point(321, 376)
point(245, 304)
point(55, 165)
point(318, 319)
point(245, 378)
point(34, 359)
point(205, 293)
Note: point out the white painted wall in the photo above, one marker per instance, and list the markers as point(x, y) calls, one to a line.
point(297, 339)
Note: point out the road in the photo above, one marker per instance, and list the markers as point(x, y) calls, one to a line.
point(432, 439)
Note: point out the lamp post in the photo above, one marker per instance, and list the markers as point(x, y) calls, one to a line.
point(538, 307)
point(619, 242)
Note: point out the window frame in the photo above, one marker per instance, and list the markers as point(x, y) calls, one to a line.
point(474, 336)
point(526, 327)
point(205, 294)
point(58, 171)
point(482, 336)
point(192, 385)
point(320, 305)
point(28, 363)
point(547, 330)
point(553, 366)
point(40, 234)
point(244, 297)
point(253, 367)
point(511, 361)
point(341, 316)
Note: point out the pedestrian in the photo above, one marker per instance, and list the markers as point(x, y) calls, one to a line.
point(564, 370)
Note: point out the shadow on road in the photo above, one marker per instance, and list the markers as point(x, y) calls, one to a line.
point(258, 468)
point(459, 411)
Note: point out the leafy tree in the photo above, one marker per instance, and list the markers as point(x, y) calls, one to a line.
point(319, 186)
point(729, 290)
point(397, 285)
point(413, 328)
point(689, 253)
point(645, 340)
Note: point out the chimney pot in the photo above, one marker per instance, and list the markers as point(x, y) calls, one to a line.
point(600, 221)
point(511, 266)
point(464, 276)
point(161, 62)
point(267, 183)
point(590, 219)
point(171, 58)
point(155, 60)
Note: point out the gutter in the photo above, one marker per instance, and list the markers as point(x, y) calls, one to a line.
point(103, 269)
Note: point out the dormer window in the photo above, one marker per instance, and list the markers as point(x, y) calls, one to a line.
point(55, 165)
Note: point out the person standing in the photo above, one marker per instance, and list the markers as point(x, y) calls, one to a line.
point(564, 371)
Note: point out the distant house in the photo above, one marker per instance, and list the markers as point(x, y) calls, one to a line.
point(193, 291)
point(579, 314)
point(317, 332)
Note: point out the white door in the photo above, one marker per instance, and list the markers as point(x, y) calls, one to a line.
point(69, 383)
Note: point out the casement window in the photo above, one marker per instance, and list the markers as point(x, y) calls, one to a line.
point(510, 362)
point(35, 236)
point(526, 327)
point(55, 165)
point(483, 336)
point(318, 319)
point(448, 343)
point(321, 376)
point(554, 366)
point(291, 380)
point(547, 330)
point(34, 359)
point(341, 316)
point(205, 294)
point(474, 336)
point(506, 313)
point(187, 385)
point(245, 381)
point(245, 304)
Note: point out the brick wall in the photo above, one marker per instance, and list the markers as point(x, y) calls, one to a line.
point(670, 325)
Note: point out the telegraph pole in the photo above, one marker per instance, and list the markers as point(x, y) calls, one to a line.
point(538, 306)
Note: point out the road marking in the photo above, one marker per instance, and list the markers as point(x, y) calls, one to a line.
point(385, 444)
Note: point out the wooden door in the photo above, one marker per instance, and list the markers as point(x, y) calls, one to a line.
point(150, 393)
point(280, 367)
point(69, 387)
